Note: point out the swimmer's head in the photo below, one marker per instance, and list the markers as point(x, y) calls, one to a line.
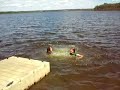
point(49, 49)
point(72, 51)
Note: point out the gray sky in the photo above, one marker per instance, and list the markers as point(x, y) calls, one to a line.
point(26, 5)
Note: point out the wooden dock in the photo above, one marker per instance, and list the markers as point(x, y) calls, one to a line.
point(17, 73)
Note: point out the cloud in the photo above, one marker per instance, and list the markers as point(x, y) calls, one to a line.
point(116, 0)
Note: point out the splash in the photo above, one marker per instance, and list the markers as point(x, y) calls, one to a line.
point(61, 51)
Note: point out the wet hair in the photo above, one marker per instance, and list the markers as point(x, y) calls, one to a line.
point(49, 50)
point(74, 50)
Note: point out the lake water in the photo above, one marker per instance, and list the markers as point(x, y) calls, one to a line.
point(95, 34)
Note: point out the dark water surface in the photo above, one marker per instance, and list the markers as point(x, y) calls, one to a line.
point(95, 34)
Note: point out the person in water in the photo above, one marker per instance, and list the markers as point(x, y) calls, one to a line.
point(49, 50)
point(72, 52)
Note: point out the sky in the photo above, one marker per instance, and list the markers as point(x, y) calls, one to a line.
point(30, 5)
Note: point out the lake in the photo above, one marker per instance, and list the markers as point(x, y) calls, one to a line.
point(94, 34)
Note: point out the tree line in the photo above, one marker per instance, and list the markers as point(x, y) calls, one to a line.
point(108, 7)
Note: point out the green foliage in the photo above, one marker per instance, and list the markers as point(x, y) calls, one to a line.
point(108, 7)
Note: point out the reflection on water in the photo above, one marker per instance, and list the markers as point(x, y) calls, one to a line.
point(96, 35)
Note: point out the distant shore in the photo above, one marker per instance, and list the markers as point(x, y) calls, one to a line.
point(108, 7)
point(11, 12)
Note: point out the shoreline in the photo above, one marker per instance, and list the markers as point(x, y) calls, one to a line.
point(12, 12)
point(17, 12)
